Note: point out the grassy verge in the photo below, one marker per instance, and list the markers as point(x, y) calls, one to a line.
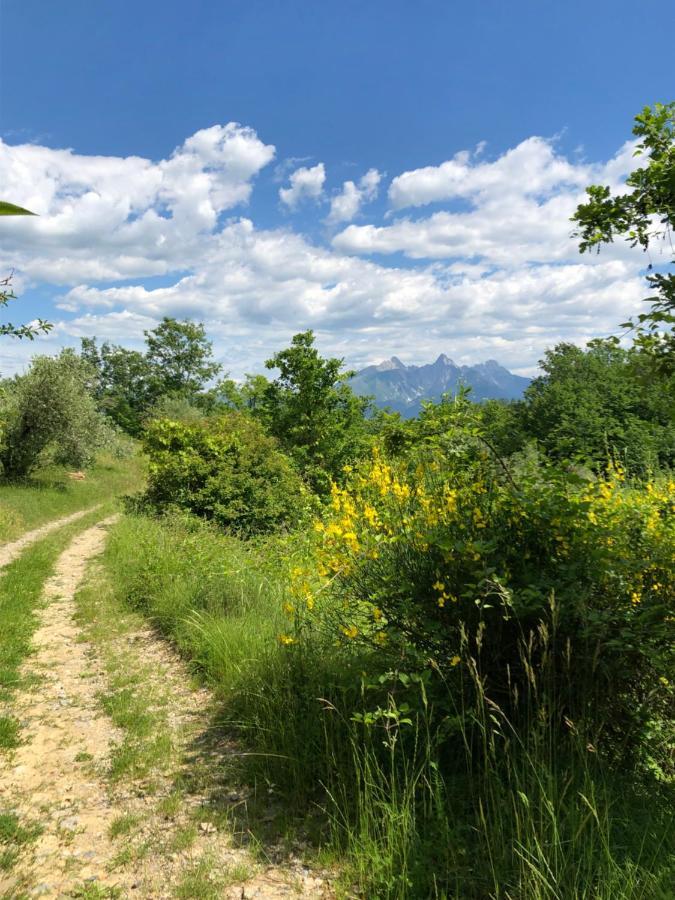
point(50, 494)
point(413, 802)
point(135, 701)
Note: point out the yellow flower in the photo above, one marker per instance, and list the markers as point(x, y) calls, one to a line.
point(401, 491)
point(377, 613)
point(286, 639)
point(370, 515)
point(350, 631)
point(438, 586)
point(635, 598)
point(455, 661)
point(288, 608)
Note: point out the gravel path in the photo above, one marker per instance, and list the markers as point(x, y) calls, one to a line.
point(10, 552)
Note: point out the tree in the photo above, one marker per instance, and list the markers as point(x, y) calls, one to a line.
point(130, 383)
point(50, 410)
point(590, 404)
point(20, 331)
point(181, 356)
point(125, 386)
point(315, 415)
point(225, 469)
point(642, 215)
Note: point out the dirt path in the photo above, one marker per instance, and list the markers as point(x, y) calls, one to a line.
point(43, 782)
point(169, 825)
point(10, 552)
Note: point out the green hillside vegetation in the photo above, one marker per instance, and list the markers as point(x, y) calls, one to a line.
point(444, 643)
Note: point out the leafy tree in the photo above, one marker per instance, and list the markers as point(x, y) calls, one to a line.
point(314, 414)
point(591, 405)
point(124, 386)
point(181, 356)
point(642, 215)
point(249, 396)
point(129, 383)
point(50, 410)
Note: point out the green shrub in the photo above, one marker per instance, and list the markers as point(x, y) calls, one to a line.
point(443, 558)
point(225, 469)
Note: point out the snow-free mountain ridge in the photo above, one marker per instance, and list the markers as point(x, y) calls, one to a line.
point(403, 388)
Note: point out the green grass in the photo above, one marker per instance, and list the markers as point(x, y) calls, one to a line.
point(51, 494)
point(139, 710)
point(406, 803)
point(205, 880)
point(95, 891)
point(9, 733)
point(14, 836)
point(123, 825)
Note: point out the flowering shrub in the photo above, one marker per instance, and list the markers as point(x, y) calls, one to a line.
point(447, 558)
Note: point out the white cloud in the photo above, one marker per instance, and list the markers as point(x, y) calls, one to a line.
point(533, 167)
point(345, 205)
point(498, 277)
point(103, 217)
point(305, 183)
point(513, 211)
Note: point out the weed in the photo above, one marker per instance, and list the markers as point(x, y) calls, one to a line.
point(9, 733)
point(123, 825)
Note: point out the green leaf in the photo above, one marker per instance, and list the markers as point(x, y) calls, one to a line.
point(9, 209)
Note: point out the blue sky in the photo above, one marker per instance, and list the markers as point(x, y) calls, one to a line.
point(340, 202)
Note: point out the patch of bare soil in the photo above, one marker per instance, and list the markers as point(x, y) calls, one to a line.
point(10, 552)
point(60, 776)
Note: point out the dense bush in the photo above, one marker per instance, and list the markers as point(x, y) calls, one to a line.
point(48, 414)
point(445, 557)
point(225, 469)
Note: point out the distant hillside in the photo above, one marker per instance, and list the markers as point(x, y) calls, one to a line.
point(403, 388)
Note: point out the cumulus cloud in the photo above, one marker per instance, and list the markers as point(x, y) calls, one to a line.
point(103, 217)
point(533, 167)
point(512, 211)
point(345, 205)
point(304, 183)
point(495, 274)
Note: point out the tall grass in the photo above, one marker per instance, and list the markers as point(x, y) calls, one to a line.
point(422, 791)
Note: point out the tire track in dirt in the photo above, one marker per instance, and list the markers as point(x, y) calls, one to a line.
point(44, 781)
point(13, 550)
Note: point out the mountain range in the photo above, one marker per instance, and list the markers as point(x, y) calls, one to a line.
point(402, 388)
